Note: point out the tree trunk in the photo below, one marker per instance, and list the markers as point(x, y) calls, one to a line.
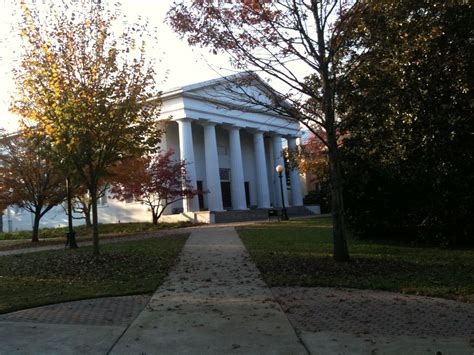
point(36, 222)
point(155, 217)
point(87, 216)
point(95, 221)
point(341, 252)
point(69, 206)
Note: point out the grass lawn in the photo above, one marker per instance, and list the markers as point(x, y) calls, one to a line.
point(48, 236)
point(298, 253)
point(134, 267)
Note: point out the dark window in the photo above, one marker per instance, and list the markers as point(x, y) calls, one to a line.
point(224, 174)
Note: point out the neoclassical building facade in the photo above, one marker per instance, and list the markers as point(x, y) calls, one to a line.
point(231, 149)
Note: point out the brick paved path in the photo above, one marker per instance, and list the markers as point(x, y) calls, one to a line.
point(99, 311)
point(309, 309)
point(374, 312)
point(328, 320)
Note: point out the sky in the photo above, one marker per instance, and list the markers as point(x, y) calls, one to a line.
point(185, 65)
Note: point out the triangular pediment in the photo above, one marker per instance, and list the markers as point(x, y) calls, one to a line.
point(242, 99)
point(244, 91)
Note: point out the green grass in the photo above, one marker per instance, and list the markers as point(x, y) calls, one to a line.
point(298, 253)
point(52, 236)
point(134, 267)
point(82, 231)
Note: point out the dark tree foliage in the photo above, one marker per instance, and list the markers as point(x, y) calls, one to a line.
point(408, 108)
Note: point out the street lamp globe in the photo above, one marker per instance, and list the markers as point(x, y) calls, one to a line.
point(279, 169)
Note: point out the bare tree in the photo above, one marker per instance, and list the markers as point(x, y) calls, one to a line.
point(300, 43)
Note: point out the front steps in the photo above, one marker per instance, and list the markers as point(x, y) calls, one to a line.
point(256, 214)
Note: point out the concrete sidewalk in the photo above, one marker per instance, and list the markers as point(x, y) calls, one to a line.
point(214, 302)
point(87, 326)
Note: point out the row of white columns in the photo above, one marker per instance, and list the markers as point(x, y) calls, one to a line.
point(237, 174)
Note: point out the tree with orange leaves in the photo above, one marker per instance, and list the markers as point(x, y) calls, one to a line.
point(87, 91)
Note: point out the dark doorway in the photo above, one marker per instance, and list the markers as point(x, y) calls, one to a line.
point(226, 198)
point(200, 197)
point(247, 193)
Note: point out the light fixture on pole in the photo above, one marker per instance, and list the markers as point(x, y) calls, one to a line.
point(284, 215)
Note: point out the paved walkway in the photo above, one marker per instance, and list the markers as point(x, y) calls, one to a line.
point(88, 326)
point(347, 321)
point(214, 302)
point(114, 311)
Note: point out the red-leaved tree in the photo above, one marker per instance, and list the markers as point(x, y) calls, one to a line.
point(156, 181)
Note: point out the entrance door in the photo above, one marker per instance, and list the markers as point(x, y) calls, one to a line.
point(200, 197)
point(226, 198)
point(247, 193)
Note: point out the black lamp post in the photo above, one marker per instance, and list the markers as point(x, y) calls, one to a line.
point(284, 215)
point(70, 235)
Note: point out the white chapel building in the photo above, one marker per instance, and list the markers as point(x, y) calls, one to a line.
point(231, 147)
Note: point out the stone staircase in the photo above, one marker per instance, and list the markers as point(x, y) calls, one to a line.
point(298, 211)
point(256, 214)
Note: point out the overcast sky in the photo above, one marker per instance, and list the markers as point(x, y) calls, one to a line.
point(185, 65)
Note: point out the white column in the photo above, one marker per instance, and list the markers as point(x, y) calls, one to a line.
point(213, 179)
point(263, 194)
point(278, 160)
point(296, 196)
point(268, 141)
point(186, 150)
point(237, 183)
